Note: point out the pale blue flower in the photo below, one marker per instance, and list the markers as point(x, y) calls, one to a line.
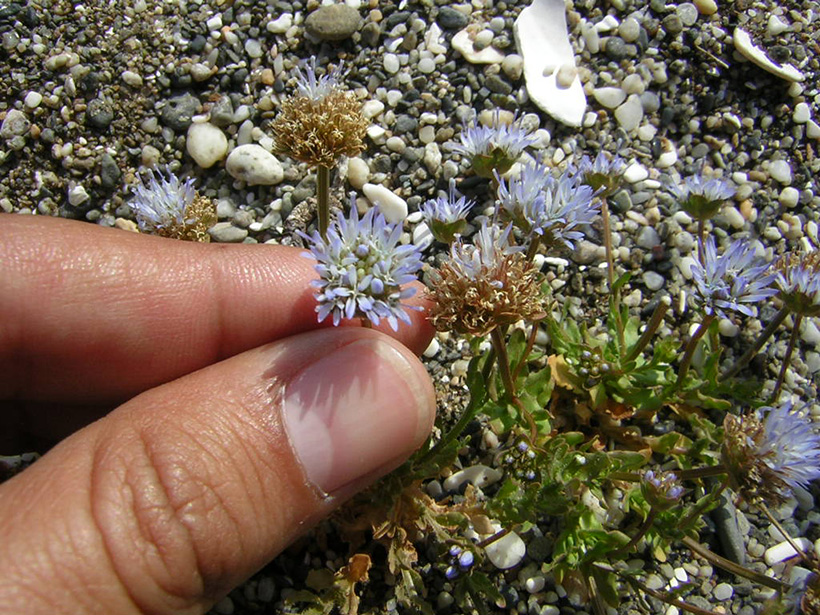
point(313, 87)
point(490, 245)
point(362, 268)
point(701, 197)
point(798, 280)
point(553, 209)
point(731, 280)
point(789, 446)
point(161, 201)
point(447, 216)
point(493, 148)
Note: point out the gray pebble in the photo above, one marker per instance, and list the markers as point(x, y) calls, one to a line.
point(616, 48)
point(335, 22)
point(178, 111)
point(648, 238)
point(99, 114)
point(653, 280)
point(110, 173)
point(225, 232)
point(16, 124)
point(451, 19)
point(672, 24)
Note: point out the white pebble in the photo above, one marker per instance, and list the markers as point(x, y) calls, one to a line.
point(629, 30)
point(635, 173)
point(372, 108)
point(427, 134)
point(535, 584)
point(214, 23)
point(206, 144)
point(653, 280)
point(432, 348)
point(281, 24)
point(776, 26)
point(358, 173)
point(630, 113)
point(802, 113)
point(789, 197)
point(477, 475)
point(33, 100)
point(392, 206)
point(609, 97)
point(506, 552)
point(727, 328)
point(254, 165)
point(812, 130)
point(781, 171)
point(77, 195)
point(426, 65)
point(253, 48)
point(723, 591)
point(432, 158)
point(783, 551)
point(685, 267)
point(391, 63)
point(513, 66)
point(131, 78)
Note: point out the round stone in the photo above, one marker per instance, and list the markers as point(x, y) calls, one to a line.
point(506, 552)
point(206, 144)
point(706, 7)
point(426, 65)
point(334, 22)
point(451, 19)
point(653, 280)
point(33, 100)
point(629, 30)
point(802, 113)
point(630, 113)
point(688, 13)
point(789, 197)
point(16, 124)
point(254, 165)
point(391, 63)
point(609, 97)
point(781, 171)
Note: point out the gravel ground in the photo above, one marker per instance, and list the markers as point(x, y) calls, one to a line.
point(94, 92)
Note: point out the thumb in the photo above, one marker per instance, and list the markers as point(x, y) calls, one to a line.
point(180, 494)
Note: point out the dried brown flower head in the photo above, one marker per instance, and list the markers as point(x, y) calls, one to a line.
point(168, 207)
point(485, 285)
point(321, 123)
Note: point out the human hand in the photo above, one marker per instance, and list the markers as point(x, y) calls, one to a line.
point(224, 450)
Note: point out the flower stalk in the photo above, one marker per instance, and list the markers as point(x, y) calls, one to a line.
point(689, 352)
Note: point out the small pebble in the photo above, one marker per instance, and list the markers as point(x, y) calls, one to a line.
point(789, 197)
point(781, 171)
point(802, 113)
point(706, 7)
point(254, 165)
point(506, 552)
point(206, 144)
point(391, 204)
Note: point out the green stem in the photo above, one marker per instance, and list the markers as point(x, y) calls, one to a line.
point(610, 260)
point(706, 503)
point(532, 250)
point(798, 318)
point(695, 473)
point(654, 323)
point(701, 240)
point(642, 530)
point(323, 198)
point(689, 353)
point(732, 567)
point(503, 361)
point(761, 339)
point(473, 406)
point(662, 596)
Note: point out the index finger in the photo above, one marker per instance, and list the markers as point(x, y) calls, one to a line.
point(96, 315)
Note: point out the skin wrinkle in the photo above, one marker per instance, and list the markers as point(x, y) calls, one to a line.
point(133, 487)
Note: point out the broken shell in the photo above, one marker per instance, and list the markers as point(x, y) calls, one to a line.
point(750, 51)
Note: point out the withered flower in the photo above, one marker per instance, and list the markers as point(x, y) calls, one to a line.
point(321, 122)
point(165, 206)
point(770, 452)
point(485, 285)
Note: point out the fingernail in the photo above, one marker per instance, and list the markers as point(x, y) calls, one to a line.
point(356, 410)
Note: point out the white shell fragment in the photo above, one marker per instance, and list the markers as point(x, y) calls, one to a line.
point(753, 53)
point(478, 475)
point(463, 43)
point(783, 551)
point(506, 552)
point(392, 206)
point(549, 63)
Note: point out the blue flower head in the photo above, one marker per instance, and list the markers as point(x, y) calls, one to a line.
point(770, 451)
point(447, 216)
point(316, 88)
point(493, 148)
point(798, 280)
point(662, 490)
point(164, 205)
point(553, 209)
point(731, 281)
point(701, 198)
point(603, 174)
point(362, 268)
